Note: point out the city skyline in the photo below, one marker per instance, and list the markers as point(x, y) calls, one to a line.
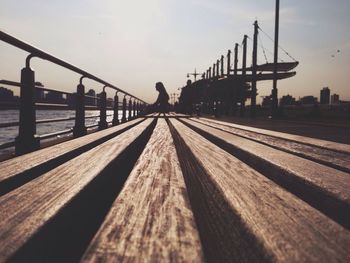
point(163, 41)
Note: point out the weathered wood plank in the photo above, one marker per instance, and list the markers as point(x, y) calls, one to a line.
point(335, 159)
point(333, 146)
point(245, 217)
point(17, 171)
point(26, 210)
point(151, 220)
point(325, 188)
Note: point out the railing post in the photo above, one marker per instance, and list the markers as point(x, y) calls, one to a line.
point(141, 109)
point(27, 139)
point(134, 108)
point(103, 108)
point(130, 110)
point(124, 110)
point(116, 110)
point(79, 127)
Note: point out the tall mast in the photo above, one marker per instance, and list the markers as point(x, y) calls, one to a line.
point(244, 60)
point(255, 60)
point(274, 88)
point(244, 72)
point(236, 59)
point(228, 62)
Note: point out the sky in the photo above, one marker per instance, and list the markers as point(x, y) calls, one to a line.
point(134, 44)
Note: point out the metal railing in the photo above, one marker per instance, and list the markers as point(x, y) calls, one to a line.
point(27, 139)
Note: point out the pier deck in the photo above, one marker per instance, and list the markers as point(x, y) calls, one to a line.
point(175, 188)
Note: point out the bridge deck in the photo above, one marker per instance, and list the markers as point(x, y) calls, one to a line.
point(176, 188)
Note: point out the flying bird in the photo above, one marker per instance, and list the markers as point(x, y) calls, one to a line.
point(333, 56)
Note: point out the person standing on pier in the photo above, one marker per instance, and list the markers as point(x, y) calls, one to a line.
point(162, 102)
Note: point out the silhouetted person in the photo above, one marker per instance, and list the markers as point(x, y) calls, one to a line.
point(163, 98)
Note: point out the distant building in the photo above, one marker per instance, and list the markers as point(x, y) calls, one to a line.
point(55, 97)
point(6, 95)
point(325, 95)
point(287, 100)
point(39, 95)
point(91, 100)
point(308, 100)
point(335, 99)
point(71, 100)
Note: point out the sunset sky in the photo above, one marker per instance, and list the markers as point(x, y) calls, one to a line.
point(133, 44)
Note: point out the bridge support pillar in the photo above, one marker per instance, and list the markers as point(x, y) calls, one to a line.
point(79, 127)
point(124, 110)
point(27, 139)
point(103, 108)
point(116, 110)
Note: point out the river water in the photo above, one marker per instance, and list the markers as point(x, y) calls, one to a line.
point(9, 134)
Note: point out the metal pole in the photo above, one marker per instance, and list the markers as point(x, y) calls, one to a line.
point(124, 110)
point(79, 127)
point(27, 139)
point(116, 110)
point(134, 109)
point(137, 109)
point(228, 62)
point(244, 72)
point(255, 58)
point(274, 88)
point(236, 60)
point(222, 66)
point(103, 107)
point(130, 110)
point(214, 70)
point(217, 67)
point(209, 72)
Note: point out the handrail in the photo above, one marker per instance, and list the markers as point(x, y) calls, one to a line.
point(18, 84)
point(27, 139)
point(43, 55)
point(16, 123)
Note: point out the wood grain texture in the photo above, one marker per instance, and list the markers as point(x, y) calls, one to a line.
point(334, 159)
point(333, 146)
point(27, 209)
point(247, 217)
point(27, 162)
point(151, 220)
point(323, 187)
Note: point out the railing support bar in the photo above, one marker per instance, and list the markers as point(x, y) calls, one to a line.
point(27, 139)
point(116, 110)
point(79, 127)
point(103, 108)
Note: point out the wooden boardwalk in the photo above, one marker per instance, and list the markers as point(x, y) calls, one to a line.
point(172, 188)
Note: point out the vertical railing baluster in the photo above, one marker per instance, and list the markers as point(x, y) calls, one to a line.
point(116, 110)
point(130, 110)
point(79, 127)
point(27, 139)
point(103, 108)
point(124, 110)
point(134, 109)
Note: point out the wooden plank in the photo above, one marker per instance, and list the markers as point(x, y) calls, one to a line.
point(151, 220)
point(325, 188)
point(28, 209)
point(333, 146)
point(248, 218)
point(335, 159)
point(19, 170)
